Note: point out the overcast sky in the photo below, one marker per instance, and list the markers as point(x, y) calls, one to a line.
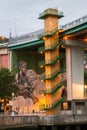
point(21, 16)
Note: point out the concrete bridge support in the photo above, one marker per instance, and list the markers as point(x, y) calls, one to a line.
point(75, 70)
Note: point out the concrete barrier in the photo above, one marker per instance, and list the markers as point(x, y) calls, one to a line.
point(38, 120)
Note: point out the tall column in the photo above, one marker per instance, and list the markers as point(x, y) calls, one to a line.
point(75, 72)
point(52, 78)
point(68, 73)
point(10, 60)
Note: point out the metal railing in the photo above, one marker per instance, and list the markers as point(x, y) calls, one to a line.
point(27, 37)
point(53, 12)
point(35, 35)
point(74, 23)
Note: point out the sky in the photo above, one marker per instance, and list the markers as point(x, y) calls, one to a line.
point(21, 16)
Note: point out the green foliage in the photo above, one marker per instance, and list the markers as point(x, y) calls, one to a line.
point(7, 84)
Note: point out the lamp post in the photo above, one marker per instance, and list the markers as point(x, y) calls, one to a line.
point(12, 104)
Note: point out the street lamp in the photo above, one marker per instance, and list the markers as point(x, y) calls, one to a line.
point(12, 104)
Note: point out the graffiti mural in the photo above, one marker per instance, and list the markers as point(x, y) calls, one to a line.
point(29, 85)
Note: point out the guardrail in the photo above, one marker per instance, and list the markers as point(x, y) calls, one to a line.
point(74, 23)
point(26, 38)
point(34, 35)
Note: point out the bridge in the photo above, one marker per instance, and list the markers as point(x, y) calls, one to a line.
point(71, 39)
point(71, 34)
point(77, 27)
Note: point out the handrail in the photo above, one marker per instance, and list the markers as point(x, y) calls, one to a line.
point(55, 59)
point(26, 37)
point(51, 12)
point(52, 32)
point(54, 89)
point(48, 33)
point(51, 47)
point(51, 76)
point(53, 105)
point(52, 61)
point(75, 23)
point(48, 47)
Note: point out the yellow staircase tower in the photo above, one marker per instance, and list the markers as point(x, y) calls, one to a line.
point(51, 52)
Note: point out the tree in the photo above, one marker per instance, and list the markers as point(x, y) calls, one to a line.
point(8, 84)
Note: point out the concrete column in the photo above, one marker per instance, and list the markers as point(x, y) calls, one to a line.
point(86, 107)
point(10, 60)
point(68, 73)
point(75, 72)
point(73, 108)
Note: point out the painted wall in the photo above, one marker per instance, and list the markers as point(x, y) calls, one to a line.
point(31, 57)
point(4, 60)
point(29, 95)
point(4, 57)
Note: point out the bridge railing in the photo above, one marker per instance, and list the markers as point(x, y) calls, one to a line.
point(74, 23)
point(34, 35)
point(27, 37)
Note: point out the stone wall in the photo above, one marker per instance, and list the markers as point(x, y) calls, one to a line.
point(36, 120)
point(18, 121)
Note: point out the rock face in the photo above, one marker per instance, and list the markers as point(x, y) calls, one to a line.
point(29, 84)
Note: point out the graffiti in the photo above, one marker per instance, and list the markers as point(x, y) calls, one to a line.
point(28, 82)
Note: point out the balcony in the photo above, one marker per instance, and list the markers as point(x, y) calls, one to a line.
point(51, 12)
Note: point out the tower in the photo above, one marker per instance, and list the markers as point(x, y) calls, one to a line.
point(51, 52)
